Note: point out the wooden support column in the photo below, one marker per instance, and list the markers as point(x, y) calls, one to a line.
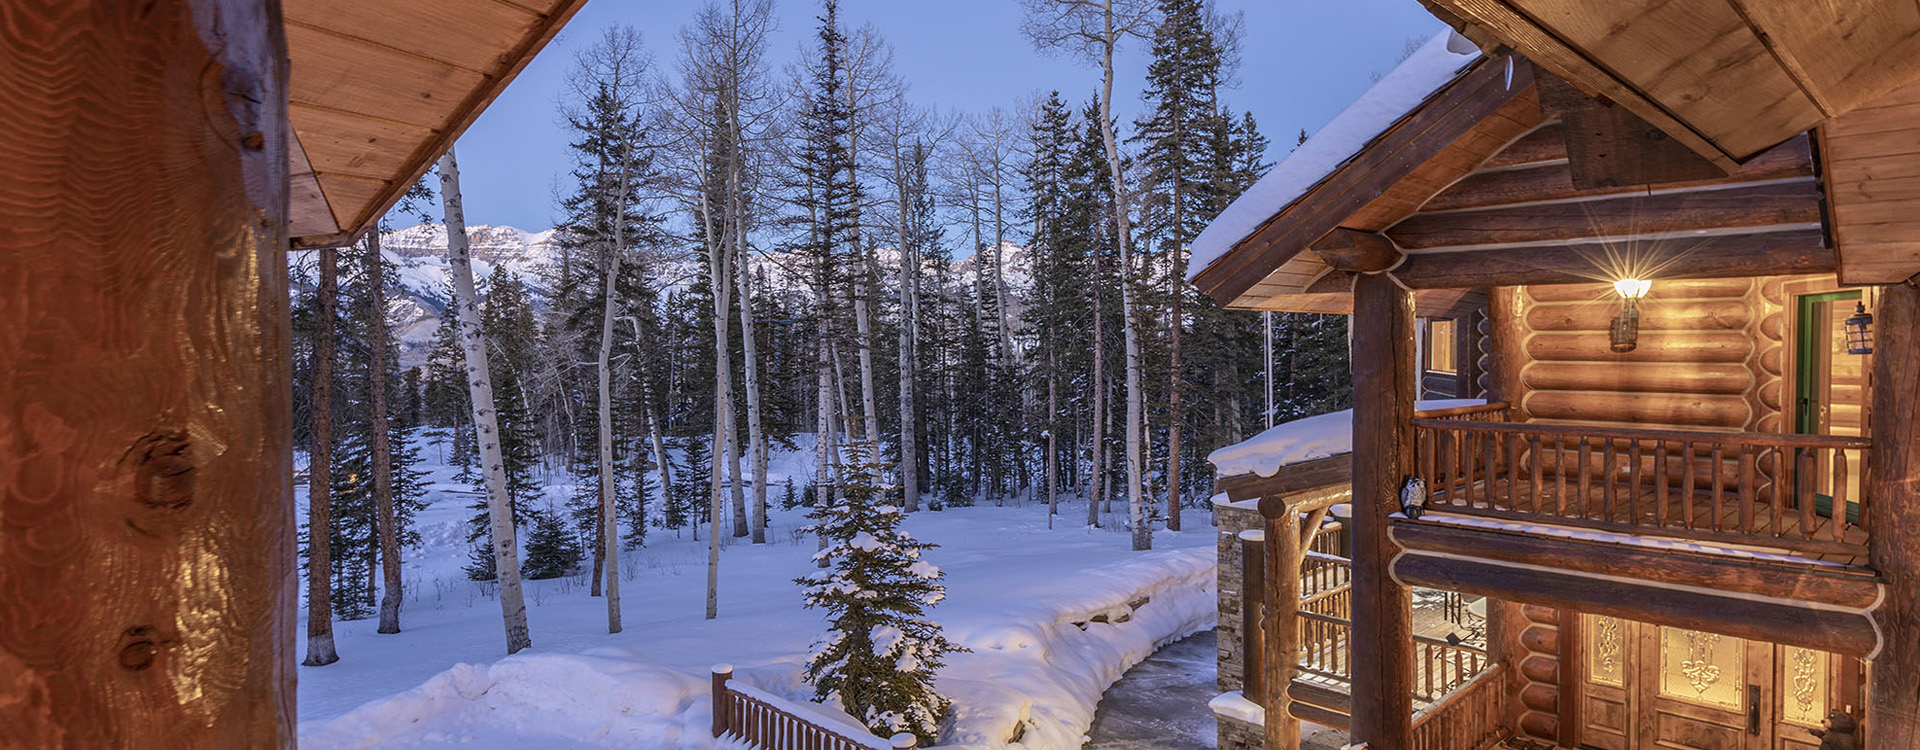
point(1282, 630)
point(146, 528)
point(1383, 383)
point(1893, 515)
point(1253, 598)
point(1507, 327)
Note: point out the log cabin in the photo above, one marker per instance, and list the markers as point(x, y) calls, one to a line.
point(160, 158)
point(1670, 247)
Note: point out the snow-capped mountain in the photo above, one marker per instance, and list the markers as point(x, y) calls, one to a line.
point(419, 255)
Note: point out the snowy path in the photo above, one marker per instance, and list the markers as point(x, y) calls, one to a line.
point(1162, 703)
point(1024, 598)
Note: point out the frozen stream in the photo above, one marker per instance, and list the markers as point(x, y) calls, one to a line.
point(1161, 704)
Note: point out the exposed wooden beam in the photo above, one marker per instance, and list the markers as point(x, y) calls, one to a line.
point(1780, 621)
point(1824, 585)
point(1290, 479)
point(1736, 255)
point(146, 556)
point(1763, 204)
point(1356, 251)
point(1553, 181)
point(1842, 53)
point(1609, 146)
point(1451, 113)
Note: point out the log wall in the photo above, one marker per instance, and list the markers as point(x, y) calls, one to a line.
point(1709, 357)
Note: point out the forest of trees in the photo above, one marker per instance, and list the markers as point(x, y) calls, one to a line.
point(759, 256)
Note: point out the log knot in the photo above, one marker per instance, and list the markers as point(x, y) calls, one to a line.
point(164, 471)
point(139, 648)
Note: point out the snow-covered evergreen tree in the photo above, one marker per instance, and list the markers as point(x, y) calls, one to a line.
point(880, 651)
point(552, 549)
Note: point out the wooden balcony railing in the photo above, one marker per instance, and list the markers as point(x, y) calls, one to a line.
point(1439, 666)
point(1470, 717)
point(1796, 492)
point(769, 722)
point(1491, 412)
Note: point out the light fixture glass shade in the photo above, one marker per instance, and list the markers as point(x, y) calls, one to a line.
point(1633, 288)
point(1860, 330)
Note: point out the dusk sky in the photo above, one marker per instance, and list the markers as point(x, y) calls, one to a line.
point(1302, 62)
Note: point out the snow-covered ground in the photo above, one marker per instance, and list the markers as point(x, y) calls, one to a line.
point(1021, 596)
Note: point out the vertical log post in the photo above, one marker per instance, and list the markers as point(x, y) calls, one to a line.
point(147, 592)
point(721, 674)
point(1383, 378)
point(1282, 629)
point(1893, 516)
point(1253, 646)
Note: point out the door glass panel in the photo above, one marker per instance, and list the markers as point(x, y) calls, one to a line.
point(1804, 699)
point(1703, 668)
point(1606, 651)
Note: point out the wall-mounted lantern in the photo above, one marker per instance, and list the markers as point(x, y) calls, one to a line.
point(1860, 330)
point(1625, 331)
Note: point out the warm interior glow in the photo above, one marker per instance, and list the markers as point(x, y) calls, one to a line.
point(1633, 288)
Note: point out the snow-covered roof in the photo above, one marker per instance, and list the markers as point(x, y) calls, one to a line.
point(1424, 72)
point(1302, 440)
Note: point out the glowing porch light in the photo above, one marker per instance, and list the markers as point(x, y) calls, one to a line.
point(1624, 334)
point(1860, 330)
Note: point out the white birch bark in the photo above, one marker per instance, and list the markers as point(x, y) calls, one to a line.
point(609, 516)
point(506, 547)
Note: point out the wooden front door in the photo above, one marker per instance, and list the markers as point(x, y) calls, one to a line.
point(1702, 691)
point(1648, 687)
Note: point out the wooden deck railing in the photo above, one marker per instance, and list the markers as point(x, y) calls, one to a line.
point(1492, 412)
point(1470, 717)
point(1439, 666)
point(1797, 492)
point(769, 722)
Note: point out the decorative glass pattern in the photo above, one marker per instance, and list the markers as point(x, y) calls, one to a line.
point(1804, 697)
point(1703, 668)
point(1606, 651)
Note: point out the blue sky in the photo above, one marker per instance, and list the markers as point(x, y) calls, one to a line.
point(1302, 62)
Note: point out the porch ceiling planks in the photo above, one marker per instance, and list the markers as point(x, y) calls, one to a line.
point(379, 89)
point(1456, 110)
point(1871, 160)
point(1726, 78)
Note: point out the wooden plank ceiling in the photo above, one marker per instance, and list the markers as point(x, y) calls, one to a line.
point(380, 88)
point(1727, 78)
point(1871, 157)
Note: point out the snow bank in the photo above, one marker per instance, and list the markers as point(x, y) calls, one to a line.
point(538, 700)
point(1399, 93)
point(1302, 440)
point(1040, 681)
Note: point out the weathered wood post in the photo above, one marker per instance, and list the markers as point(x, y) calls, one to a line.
point(1383, 381)
point(1253, 599)
point(1893, 519)
point(1282, 634)
point(721, 673)
point(146, 585)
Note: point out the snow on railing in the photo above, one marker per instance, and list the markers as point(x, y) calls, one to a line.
point(770, 722)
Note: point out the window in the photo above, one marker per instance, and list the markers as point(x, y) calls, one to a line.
point(1440, 354)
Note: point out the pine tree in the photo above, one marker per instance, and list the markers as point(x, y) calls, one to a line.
point(880, 652)
point(552, 550)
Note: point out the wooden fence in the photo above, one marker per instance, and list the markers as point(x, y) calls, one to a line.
point(1797, 492)
point(770, 722)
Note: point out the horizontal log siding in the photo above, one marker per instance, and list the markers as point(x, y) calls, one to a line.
point(1695, 367)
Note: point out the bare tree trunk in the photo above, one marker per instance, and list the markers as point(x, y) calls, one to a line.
point(823, 450)
point(390, 587)
point(1053, 438)
point(724, 451)
point(909, 341)
point(486, 425)
point(1097, 480)
point(609, 540)
point(320, 651)
point(756, 437)
point(1136, 408)
point(863, 326)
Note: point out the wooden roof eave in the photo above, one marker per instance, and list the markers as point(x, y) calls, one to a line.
point(1726, 79)
point(1443, 118)
point(354, 215)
